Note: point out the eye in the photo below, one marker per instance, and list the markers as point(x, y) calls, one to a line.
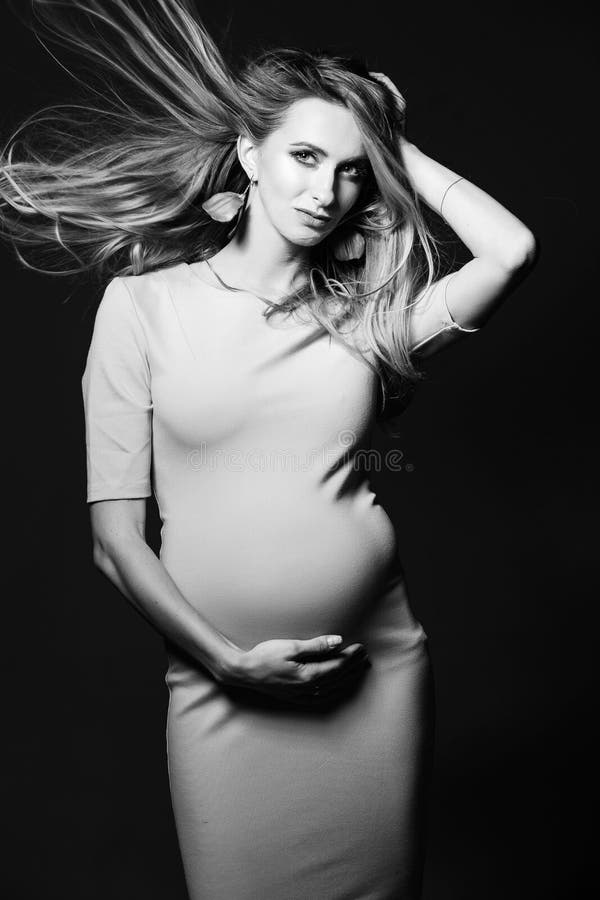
point(298, 153)
point(359, 171)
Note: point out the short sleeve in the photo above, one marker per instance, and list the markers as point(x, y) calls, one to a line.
point(117, 401)
point(445, 331)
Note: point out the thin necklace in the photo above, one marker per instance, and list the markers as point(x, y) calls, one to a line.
point(230, 287)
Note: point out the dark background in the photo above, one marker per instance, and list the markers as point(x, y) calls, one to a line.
point(495, 518)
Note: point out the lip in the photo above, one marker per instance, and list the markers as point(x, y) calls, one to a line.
point(313, 219)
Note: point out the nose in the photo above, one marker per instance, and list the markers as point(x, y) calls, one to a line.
point(323, 189)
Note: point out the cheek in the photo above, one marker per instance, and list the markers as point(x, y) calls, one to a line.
point(349, 194)
point(286, 179)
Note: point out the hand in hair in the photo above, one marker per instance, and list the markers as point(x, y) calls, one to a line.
point(390, 84)
point(400, 101)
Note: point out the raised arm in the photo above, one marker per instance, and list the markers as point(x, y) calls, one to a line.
point(503, 249)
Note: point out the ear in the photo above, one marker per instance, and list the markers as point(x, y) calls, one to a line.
point(247, 153)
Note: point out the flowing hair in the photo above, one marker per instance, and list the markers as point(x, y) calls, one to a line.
point(115, 185)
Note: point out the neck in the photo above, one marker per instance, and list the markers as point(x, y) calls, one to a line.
point(259, 258)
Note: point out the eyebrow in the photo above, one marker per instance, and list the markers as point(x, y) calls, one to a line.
point(352, 159)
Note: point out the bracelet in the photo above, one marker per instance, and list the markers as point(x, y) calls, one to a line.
point(446, 191)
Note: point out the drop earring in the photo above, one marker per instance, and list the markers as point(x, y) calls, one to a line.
point(228, 205)
point(348, 245)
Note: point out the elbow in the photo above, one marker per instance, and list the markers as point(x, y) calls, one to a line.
point(100, 556)
point(103, 546)
point(524, 253)
point(107, 548)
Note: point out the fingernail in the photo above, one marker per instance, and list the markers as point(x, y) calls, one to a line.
point(334, 639)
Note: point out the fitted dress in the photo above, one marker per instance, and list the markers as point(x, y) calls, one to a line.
point(248, 432)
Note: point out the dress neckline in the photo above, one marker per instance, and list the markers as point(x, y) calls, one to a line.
point(192, 267)
point(222, 285)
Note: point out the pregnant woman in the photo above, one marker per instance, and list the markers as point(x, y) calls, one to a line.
point(269, 285)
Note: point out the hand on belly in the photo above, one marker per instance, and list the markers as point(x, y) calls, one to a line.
point(293, 578)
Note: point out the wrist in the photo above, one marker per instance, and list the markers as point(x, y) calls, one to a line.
point(409, 149)
point(229, 667)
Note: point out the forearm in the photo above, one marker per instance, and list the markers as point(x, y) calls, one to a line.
point(141, 577)
point(485, 227)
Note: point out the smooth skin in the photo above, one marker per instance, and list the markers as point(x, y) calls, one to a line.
point(267, 250)
point(265, 256)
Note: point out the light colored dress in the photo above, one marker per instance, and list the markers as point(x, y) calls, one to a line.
point(247, 433)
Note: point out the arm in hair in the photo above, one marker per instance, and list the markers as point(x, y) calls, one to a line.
point(502, 246)
point(121, 553)
point(483, 225)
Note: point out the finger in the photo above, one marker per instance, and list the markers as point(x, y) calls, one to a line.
point(355, 663)
point(303, 693)
point(387, 81)
point(327, 696)
point(321, 670)
point(337, 677)
point(325, 643)
point(311, 670)
point(342, 688)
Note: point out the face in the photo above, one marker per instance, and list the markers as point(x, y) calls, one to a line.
point(314, 163)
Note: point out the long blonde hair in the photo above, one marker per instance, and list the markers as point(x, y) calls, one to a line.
point(115, 186)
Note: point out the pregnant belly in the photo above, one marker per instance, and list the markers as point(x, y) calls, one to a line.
point(283, 569)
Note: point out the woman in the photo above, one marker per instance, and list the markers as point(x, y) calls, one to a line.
point(272, 277)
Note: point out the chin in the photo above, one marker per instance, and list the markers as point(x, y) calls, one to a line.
point(306, 240)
